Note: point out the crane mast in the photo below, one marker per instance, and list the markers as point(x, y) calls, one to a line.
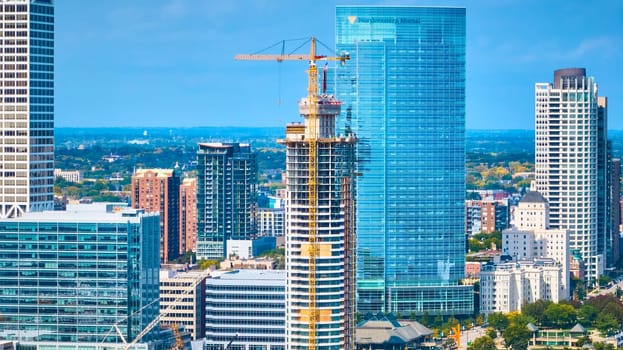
point(312, 185)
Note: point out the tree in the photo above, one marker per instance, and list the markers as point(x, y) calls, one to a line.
point(205, 264)
point(438, 321)
point(603, 346)
point(560, 315)
point(498, 320)
point(587, 315)
point(492, 333)
point(482, 343)
point(536, 310)
point(425, 319)
point(480, 320)
point(517, 336)
point(604, 280)
point(606, 323)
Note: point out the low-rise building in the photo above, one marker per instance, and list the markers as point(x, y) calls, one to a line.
point(182, 300)
point(246, 308)
point(69, 175)
point(250, 264)
point(506, 287)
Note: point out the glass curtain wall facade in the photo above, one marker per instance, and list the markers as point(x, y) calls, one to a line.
point(404, 97)
point(26, 106)
point(226, 197)
point(69, 277)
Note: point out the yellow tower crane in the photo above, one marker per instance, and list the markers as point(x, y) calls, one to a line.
point(312, 97)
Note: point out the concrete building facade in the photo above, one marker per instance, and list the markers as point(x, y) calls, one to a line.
point(571, 162)
point(182, 296)
point(506, 287)
point(320, 234)
point(531, 238)
point(68, 175)
point(271, 221)
point(246, 308)
point(27, 107)
point(158, 190)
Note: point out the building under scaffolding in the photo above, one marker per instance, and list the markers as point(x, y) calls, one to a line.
point(320, 233)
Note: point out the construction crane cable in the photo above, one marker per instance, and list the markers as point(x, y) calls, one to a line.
point(282, 43)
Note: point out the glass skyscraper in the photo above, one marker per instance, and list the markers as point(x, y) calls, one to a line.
point(404, 97)
point(26, 106)
point(68, 277)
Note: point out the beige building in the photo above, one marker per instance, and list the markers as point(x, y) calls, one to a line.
point(506, 287)
point(182, 300)
point(68, 175)
point(531, 237)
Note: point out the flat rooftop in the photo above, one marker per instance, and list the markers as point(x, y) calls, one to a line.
point(86, 213)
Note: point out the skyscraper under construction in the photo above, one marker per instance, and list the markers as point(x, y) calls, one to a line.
point(319, 229)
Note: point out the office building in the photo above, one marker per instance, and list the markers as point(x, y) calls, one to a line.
point(188, 215)
point(486, 216)
point(403, 92)
point(158, 191)
point(506, 287)
point(68, 277)
point(226, 196)
point(246, 308)
point(571, 162)
point(182, 298)
point(26, 107)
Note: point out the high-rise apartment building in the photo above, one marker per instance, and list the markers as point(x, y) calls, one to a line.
point(67, 278)
point(571, 162)
point(188, 215)
point(486, 216)
point(26, 106)
point(404, 97)
point(271, 221)
point(158, 190)
point(320, 230)
point(614, 252)
point(226, 196)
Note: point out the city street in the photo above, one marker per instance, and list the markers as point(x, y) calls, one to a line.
point(468, 335)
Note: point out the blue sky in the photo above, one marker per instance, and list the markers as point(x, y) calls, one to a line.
point(148, 63)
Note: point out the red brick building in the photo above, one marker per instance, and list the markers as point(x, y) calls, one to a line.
point(158, 190)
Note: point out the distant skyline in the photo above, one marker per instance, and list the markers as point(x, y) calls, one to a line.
point(170, 63)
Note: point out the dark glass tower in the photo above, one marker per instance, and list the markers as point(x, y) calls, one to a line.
point(404, 97)
point(226, 196)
